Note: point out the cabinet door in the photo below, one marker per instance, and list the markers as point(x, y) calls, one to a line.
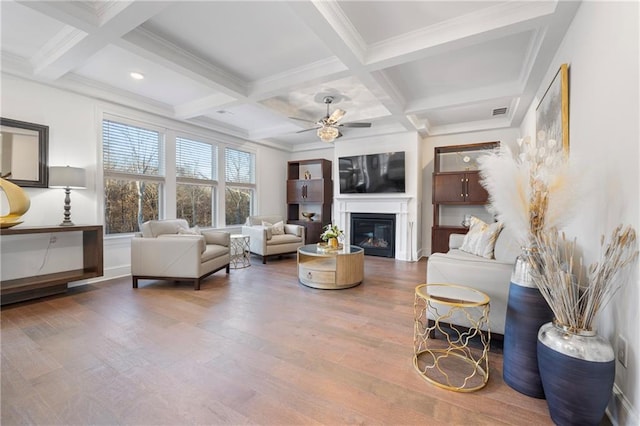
point(314, 191)
point(448, 188)
point(475, 192)
point(305, 191)
point(296, 190)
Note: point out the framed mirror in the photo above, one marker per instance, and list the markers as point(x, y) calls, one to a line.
point(24, 150)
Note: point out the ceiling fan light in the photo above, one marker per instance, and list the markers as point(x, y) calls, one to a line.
point(327, 133)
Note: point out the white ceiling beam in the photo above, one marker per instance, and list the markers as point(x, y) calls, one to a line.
point(332, 26)
point(448, 100)
point(202, 105)
point(316, 73)
point(74, 45)
point(483, 25)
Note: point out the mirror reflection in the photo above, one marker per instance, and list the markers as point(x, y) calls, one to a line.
point(23, 153)
point(18, 153)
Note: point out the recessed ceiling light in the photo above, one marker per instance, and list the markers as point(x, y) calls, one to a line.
point(136, 75)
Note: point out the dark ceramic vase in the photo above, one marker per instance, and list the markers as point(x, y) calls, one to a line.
point(527, 311)
point(577, 371)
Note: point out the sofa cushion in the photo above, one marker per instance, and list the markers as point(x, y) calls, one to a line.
point(507, 248)
point(212, 251)
point(481, 238)
point(216, 237)
point(283, 239)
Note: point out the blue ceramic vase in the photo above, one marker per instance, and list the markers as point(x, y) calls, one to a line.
point(527, 311)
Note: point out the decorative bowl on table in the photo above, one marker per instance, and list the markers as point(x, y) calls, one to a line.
point(309, 215)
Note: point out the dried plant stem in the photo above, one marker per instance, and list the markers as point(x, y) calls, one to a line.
point(573, 303)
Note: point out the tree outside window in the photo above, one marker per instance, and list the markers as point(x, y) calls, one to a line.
point(195, 173)
point(133, 176)
point(239, 185)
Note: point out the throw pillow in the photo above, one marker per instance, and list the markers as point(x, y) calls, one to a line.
point(481, 238)
point(276, 228)
point(189, 231)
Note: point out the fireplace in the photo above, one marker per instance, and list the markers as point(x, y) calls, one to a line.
point(375, 233)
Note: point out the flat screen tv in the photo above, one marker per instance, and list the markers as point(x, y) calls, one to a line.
point(372, 173)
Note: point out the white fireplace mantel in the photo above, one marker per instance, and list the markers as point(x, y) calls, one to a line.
point(387, 203)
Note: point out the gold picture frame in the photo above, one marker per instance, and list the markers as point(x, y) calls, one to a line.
point(552, 113)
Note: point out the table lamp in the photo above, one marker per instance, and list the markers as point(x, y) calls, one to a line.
point(67, 177)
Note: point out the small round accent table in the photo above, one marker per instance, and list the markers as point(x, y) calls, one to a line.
point(239, 251)
point(448, 355)
point(330, 269)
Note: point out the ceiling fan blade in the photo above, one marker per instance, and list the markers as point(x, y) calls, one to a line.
point(355, 124)
point(303, 119)
point(335, 116)
point(307, 130)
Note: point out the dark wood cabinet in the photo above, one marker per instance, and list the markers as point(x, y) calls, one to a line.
point(456, 182)
point(458, 188)
point(309, 190)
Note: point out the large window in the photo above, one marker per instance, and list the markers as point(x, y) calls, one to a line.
point(240, 185)
point(140, 177)
point(196, 187)
point(133, 176)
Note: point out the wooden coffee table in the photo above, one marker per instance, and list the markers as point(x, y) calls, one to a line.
point(330, 269)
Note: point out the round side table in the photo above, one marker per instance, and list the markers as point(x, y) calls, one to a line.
point(239, 251)
point(447, 354)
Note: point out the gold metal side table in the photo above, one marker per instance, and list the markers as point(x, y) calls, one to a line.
point(239, 251)
point(448, 355)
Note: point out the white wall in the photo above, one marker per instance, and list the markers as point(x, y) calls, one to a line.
point(454, 215)
point(74, 139)
point(601, 47)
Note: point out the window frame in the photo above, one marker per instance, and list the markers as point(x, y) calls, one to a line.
point(107, 173)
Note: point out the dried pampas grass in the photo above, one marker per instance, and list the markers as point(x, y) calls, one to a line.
point(533, 191)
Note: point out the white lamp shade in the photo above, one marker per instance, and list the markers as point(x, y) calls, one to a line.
point(67, 177)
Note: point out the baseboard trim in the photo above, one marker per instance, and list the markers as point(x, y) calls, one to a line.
point(620, 411)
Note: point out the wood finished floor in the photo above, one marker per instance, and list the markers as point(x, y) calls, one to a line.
point(253, 347)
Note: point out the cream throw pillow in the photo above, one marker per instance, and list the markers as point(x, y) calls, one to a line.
point(481, 238)
point(189, 231)
point(276, 228)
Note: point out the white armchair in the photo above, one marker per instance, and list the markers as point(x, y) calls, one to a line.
point(264, 243)
point(166, 250)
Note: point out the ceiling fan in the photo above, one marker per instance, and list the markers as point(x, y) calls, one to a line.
point(327, 126)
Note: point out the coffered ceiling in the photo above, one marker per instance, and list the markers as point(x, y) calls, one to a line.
point(245, 67)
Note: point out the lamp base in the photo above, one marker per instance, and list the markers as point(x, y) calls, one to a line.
point(67, 208)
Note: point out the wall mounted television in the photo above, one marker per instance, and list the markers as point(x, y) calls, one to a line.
point(372, 173)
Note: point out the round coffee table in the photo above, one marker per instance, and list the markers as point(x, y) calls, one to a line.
point(330, 269)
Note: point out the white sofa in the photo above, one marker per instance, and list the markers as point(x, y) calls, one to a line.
point(491, 276)
point(166, 250)
point(262, 241)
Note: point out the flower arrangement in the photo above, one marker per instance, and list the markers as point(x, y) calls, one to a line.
point(331, 231)
point(532, 191)
point(575, 303)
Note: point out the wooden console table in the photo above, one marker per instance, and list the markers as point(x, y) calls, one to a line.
point(19, 289)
